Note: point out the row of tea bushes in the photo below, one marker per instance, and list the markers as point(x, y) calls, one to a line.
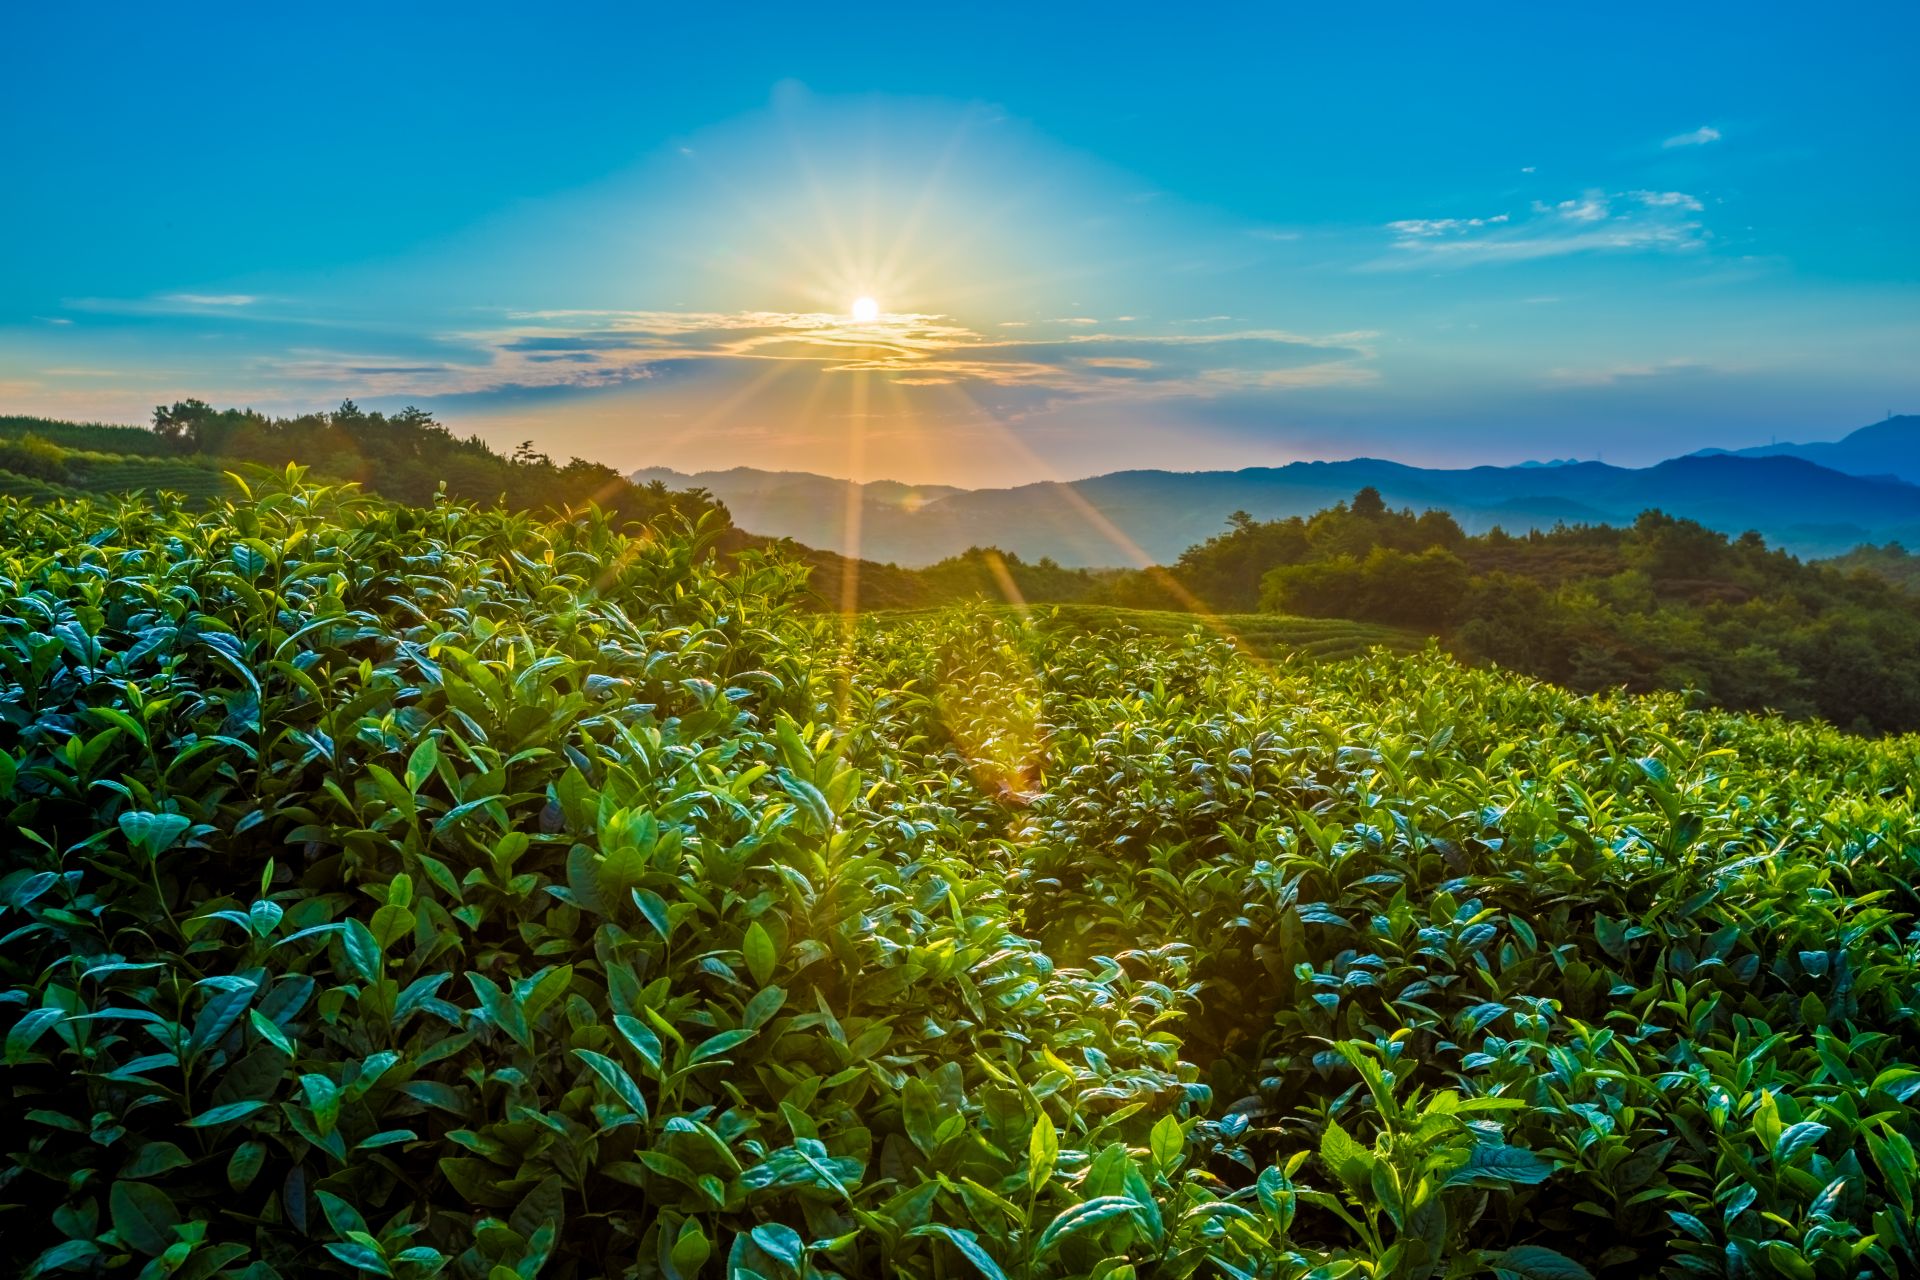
point(410, 892)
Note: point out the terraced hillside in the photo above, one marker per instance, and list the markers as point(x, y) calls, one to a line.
point(33, 466)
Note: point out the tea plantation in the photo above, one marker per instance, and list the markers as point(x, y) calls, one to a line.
point(1258, 635)
point(402, 892)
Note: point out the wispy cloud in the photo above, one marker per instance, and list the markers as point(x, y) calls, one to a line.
point(1443, 226)
point(1694, 137)
point(1611, 375)
point(1592, 207)
point(1668, 200)
point(1594, 221)
point(176, 304)
point(589, 349)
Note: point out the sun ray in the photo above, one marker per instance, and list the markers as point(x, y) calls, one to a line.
point(849, 615)
point(761, 383)
point(856, 466)
point(1003, 578)
point(909, 228)
point(822, 204)
point(812, 263)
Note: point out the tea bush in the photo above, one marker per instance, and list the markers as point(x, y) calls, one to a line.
point(442, 891)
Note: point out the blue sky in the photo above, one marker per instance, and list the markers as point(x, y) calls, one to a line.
point(1099, 236)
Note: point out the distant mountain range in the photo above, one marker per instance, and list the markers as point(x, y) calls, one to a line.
point(1890, 448)
point(1816, 499)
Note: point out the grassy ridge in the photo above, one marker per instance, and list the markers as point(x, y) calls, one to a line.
point(1265, 635)
point(96, 437)
point(418, 891)
point(99, 474)
point(48, 460)
point(191, 478)
point(15, 485)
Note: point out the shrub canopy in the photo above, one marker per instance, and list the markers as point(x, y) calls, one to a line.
point(443, 891)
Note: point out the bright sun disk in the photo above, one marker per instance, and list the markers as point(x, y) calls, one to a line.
point(865, 310)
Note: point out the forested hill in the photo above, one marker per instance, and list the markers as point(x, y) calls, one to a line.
point(407, 456)
point(1658, 603)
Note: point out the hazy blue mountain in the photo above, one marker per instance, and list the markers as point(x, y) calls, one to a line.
point(1889, 448)
point(798, 504)
point(1130, 517)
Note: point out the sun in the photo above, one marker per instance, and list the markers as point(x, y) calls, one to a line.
point(865, 310)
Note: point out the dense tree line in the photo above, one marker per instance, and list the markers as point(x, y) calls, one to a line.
point(991, 572)
point(410, 456)
point(1662, 603)
point(1893, 562)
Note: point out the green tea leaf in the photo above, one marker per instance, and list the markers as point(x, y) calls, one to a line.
point(690, 1248)
point(761, 1009)
point(421, 763)
point(70, 1255)
point(152, 834)
point(143, 1216)
point(644, 1041)
point(920, 1113)
point(1797, 1138)
point(653, 909)
point(386, 1138)
point(782, 1243)
point(363, 950)
point(362, 1255)
point(155, 1158)
point(226, 1114)
point(22, 1035)
point(1167, 1142)
point(617, 1079)
point(267, 1031)
point(968, 1243)
point(1043, 1150)
point(1349, 1161)
point(758, 949)
point(1491, 1163)
point(341, 1216)
point(714, 1046)
point(245, 1163)
point(1087, 1216)
point(1536, 1262)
